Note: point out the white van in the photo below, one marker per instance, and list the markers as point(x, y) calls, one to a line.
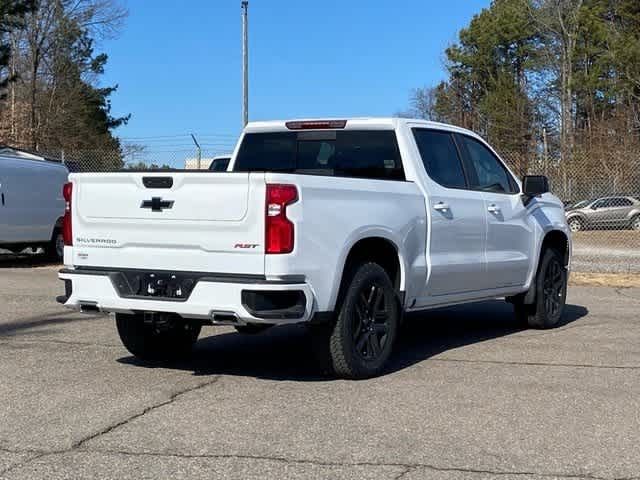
point(31, 204)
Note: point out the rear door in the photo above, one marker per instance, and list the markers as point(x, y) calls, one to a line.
point(509, 242)
point(457, 233)
point(177, 221)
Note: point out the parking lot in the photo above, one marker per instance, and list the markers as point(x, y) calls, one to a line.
point(469, 395)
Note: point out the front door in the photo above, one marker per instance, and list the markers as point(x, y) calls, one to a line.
point(509, 242)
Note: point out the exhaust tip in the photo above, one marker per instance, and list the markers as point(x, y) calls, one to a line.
point(224, 317)
point(89, 307)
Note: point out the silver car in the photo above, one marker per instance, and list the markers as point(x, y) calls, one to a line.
point(605, 212)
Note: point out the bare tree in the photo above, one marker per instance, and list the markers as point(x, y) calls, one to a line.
point(44, 38)
point(558, 24)
point(422, 102)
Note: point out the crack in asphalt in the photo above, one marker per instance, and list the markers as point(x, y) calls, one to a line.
point(148, 409)
point(403, 473)
point(620, 292)
point(408, 467)
point(77, 446)
point(538, 364)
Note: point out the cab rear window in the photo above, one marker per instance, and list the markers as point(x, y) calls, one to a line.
point(370, 154)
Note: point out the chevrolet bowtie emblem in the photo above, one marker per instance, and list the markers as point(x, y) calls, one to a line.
point(157, 204)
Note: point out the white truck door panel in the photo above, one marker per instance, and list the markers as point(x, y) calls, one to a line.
point(457, 227)
point(457, 240)
point(509, 240)
point(509, 243)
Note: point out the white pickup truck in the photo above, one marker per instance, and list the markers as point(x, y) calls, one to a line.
point(341, 224)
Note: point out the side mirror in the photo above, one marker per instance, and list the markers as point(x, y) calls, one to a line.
point(534, 185)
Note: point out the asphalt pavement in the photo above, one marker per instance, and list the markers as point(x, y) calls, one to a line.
point(468, 395)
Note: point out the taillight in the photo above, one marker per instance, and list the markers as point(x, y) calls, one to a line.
point(279, 231)
point(67, 233)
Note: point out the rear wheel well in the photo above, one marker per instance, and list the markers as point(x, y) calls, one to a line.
point(558, 241)
point(373, 249)
point(378, 250)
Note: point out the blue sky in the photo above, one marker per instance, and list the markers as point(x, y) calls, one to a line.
point(179, 68)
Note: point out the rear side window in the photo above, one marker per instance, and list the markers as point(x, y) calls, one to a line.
point(440, 157)
point(489, 173)
point(341, 153)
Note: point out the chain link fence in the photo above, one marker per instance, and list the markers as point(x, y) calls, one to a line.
point(601, 192)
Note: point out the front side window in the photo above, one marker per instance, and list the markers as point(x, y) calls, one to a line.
point(490, 174)
point(440, 157)
point(370, 154)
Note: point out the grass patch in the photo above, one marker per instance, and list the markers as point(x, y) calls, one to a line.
point(616, 280)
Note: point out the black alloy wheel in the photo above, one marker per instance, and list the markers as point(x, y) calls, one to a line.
point(370, 322)
point(553, 288)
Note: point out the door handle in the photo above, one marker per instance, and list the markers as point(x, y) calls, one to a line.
point(493, 209)
point(441, 207)
point(3, 199)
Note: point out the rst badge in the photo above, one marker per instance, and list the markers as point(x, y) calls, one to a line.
point(246, 246)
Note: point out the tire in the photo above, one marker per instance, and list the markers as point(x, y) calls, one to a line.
point(252, 328)
point(635, 223)
point(575, 224)
point(55, 249)
point(551, 293)
point(362, 337)
point(166, 337)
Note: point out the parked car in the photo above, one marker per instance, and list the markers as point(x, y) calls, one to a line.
point(220, 164)
point(340, 224)
point(31, 204)
point(614, 212)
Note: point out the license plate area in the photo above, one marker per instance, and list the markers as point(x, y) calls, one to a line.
point(156, 285)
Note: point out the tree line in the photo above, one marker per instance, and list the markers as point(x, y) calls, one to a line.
point(50, 96)
point(545, 78)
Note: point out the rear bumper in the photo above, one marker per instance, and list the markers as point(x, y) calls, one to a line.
point(216, 299)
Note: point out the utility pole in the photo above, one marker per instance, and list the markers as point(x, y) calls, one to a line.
point(198, 151)
point(245, 62)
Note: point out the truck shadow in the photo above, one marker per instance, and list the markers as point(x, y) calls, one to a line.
point(286, 353)
point(26, 261)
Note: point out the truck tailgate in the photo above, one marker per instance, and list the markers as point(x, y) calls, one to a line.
point(174, 221)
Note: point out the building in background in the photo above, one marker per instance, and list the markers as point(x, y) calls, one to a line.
point(218, 162)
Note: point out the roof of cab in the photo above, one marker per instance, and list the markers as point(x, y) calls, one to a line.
point(360, 123)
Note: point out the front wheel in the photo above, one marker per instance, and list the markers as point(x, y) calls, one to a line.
point(158, 337)
point(550, 295)
point(363, 335)
point(635, 223)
